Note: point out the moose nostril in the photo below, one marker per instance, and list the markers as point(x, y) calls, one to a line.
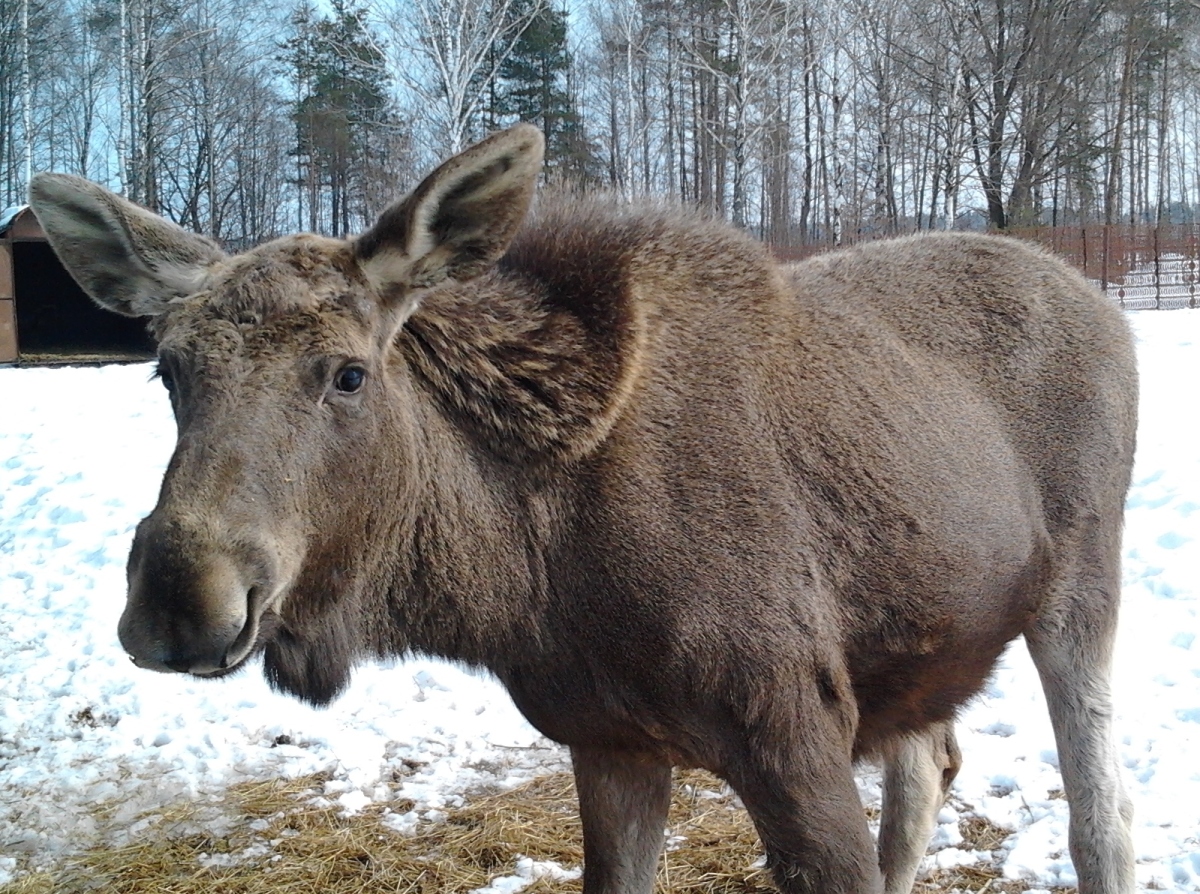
point(243, 644)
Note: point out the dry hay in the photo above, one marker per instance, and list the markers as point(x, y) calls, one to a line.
point(285, 839)
point(982, 878)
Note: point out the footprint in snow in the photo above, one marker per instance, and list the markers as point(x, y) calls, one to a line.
point(1172, 540)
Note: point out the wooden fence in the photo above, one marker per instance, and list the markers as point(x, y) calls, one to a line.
point(1142, 268)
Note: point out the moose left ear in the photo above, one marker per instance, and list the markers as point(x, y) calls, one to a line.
point(129, 260)
point(461, 218)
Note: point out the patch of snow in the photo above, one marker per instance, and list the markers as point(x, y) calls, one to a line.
point(528, 872)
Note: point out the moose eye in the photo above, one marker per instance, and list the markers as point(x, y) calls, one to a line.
point(163, 374)
point(350, 379)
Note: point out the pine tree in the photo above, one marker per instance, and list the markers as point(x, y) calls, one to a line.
point(534, 86)
point(342, 111)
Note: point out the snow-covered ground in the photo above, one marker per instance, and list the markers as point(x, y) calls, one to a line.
point(81, 455)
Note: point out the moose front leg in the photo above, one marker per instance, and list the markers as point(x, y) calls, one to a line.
point(814, 832)
point(623, 800)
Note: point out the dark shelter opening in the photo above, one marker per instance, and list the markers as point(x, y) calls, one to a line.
point(57, 320)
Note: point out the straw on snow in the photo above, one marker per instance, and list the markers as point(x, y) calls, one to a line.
point(280, 837)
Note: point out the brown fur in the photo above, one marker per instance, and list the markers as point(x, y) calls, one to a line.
point(690, 506)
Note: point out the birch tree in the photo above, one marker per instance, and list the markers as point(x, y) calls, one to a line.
point(152, 39)
point(26, 92)
point(27, 32)
point(624, 37)
point(753, 43)
point(448, 52)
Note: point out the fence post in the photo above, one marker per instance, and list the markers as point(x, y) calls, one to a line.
point(1083, 239)
point(1193, 263)
point(1106, 244)
point(1157, 272)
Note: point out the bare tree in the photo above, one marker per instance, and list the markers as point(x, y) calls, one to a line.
point(26, 91)
point(458, 47)
point(754, 40)
point(625, 38)
point(152, 39)
point(82, 91)
point(28, 31)
point(802, 120)
point(1022, 59)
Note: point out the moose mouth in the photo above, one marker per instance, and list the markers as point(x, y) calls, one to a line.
point(254, 638)
point(155, 642)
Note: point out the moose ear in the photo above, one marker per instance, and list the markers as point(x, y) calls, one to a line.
point(129, 260)
point(459, 220)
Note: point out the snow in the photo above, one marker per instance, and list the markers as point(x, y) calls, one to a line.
point(82, 451)
point(528, 872)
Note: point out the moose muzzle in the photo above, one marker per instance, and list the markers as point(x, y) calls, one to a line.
point(195, 605)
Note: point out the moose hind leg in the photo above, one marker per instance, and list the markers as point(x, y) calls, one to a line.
point(1071, 644)
point(917, 773)
point(623, 801)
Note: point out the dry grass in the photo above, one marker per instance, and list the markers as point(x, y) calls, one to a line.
point(281, 838)
point(986, 878)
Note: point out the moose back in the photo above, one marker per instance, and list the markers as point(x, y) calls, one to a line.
point(689, 505)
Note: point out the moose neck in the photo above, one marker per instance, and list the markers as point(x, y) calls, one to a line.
point(516, 378)
point(470, 572)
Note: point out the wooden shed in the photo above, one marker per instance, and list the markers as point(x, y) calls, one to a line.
point(45, 318)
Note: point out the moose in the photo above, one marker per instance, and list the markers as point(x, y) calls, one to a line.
point(690, 505)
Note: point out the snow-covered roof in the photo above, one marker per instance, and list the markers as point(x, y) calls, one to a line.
point(8, 215)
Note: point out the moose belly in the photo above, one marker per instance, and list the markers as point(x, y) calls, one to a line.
point(569, 702)
point(916, 661)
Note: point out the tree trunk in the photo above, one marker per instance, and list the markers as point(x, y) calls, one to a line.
point(26, 91)
point(1112, 187)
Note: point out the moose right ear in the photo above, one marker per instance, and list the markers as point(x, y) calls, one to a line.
point(460, 219)
point(128, 259)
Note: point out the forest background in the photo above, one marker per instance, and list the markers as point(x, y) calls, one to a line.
point(803, 122)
